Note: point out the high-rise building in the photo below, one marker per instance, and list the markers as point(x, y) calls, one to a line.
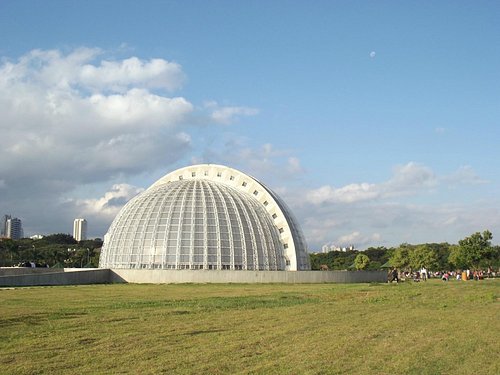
point(3, 226)
point(80, 229)
point(14, 228)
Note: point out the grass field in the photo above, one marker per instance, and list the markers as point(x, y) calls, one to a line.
point(410, 328)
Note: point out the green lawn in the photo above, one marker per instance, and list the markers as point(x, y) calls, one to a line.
point(410, 328)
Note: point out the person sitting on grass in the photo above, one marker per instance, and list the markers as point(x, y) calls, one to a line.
point(446, 276)
point(416, 278)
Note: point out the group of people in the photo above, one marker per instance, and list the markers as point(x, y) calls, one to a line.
point(464, 275)
point(423, 275)
point(417, 276)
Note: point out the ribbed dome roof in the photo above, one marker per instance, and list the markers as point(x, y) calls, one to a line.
point(193, 224)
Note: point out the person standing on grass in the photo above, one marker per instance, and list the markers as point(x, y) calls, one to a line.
point(423, 274)
point(395, 276)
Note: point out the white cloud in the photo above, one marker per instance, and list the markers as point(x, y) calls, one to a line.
point(46, 68)
point(347, 194)
point(43, 93)
point(138, 107)
point(366, 214)
point(406, 180)
point(120, 75)
point(228, 115)
point(465, 175)
point(350, 238)
point(75, 119)
point(409, 178)
point(110, 203)
point(52, 69)
point(358, 239)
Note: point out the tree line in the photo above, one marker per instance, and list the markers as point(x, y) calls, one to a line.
point(55, 250)
point(474, 252)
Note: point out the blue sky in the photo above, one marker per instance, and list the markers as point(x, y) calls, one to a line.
point(377, 121)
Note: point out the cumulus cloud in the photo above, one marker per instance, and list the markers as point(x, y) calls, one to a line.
point(406, 179)
point(138, 106)
point(52, 69)
point(79, 118)
point(347, 194)
point(464, 175)
point(120, 75)
point(73, 119)
point(358, 239)
point(349, 238)
point(110, 203)
point(365, 214)
point(409, 178)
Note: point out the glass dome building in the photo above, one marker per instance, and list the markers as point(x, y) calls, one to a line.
point(208, 217)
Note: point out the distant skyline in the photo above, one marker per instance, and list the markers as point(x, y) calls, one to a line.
point(378, 122)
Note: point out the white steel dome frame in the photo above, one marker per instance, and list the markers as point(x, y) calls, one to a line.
point(281, 247)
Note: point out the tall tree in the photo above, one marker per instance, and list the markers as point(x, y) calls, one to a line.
point(475, 248)
point(401, 257)
point(423, 256)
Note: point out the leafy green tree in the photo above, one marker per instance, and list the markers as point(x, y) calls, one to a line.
point(377, 254)
point(457, 257)
point(401, 257)
point(423, 256)
point(494, 261)
point(361, 261)
point(58, 238)
point(443, 253)
point(475, 248)
point(8, 252)
point(51, 250)
point(335, 260)
point(91, 244)
point(317, 259)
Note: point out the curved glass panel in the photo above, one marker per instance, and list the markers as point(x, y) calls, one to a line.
point(193, 224)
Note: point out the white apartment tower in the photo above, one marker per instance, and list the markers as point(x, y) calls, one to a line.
point(80, 229)
point(3, 226)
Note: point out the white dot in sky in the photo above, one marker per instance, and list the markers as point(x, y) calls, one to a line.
point(372, 54)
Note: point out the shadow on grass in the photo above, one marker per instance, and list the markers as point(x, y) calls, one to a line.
point(201, 332)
